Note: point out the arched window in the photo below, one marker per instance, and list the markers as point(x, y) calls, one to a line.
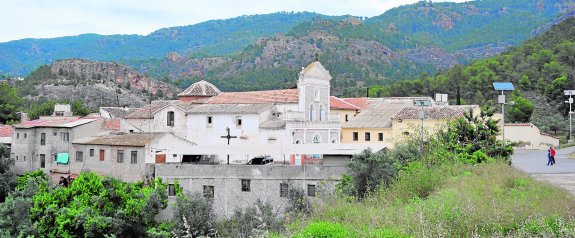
point(321, 113)
point(316, 95)
point(297, 142)
point(316, 139)
point(334, 141)
point(170, 118)
point(311, 112)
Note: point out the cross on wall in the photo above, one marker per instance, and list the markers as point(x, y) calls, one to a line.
point(228, 136)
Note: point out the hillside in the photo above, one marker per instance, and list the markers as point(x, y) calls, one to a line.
point(216, 37)
point(95, 83)
point(540, 69)
point(402, 43)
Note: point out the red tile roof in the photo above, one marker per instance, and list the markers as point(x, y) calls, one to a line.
point(112, 124)
point(6, 131)
point(361, 103)
point(55, 122)
point(336, 103)
point(255, 97)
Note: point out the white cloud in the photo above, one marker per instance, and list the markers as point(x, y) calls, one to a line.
point(53, 18)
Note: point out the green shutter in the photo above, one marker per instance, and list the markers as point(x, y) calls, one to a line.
point(62, 158)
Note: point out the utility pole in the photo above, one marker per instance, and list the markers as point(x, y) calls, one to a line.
point(570, 101)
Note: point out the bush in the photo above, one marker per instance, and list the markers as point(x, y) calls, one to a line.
point(194, 215)
point(369, 171)
point(254, 221)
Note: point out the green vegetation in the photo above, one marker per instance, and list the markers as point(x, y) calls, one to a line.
point(10, 104)
point(540, 69)
point(47, 108)
point(461, 186)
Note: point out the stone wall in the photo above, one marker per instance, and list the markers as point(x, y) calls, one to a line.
point(264, 182)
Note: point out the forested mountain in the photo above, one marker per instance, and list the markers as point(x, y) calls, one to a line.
point(400, 44)
point(540, 69)
point(216, 37)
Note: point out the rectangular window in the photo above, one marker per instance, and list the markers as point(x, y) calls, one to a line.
point(170, 118)
point(367, 136)
point(355, 136)
point(134, 157)
point(209, 121)
point(79, 156)
point(346, 119)
point(380, 136)
point(42, 138)
point(171, 190)
point(25, 135)
point(120, 156)
point(238, 121)
point(283, 190)
point(91, 152)
point(208, 191)
point(55, 133)
point(64, 136)
point(311, 190)
point(17, 135)
point(55, 156)
point(245, 185)
point(102, 156)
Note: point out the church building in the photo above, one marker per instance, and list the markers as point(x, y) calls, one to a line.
point(208, 117)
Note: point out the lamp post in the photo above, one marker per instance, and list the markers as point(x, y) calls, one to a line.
point(421, 103)
point(570, 101)
point(503, 86)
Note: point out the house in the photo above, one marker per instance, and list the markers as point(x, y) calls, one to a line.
point(127, 156)
point(6, 135)
point(386, 120)
point(46, 143)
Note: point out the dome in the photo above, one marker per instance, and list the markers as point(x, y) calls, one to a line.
point(201, 88)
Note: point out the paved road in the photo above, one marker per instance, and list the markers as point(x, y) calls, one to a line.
point(534, 163)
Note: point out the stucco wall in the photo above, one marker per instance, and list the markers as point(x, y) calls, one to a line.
point(347, 135)
point(264, 182)
point(528, 136)
point(125, 171)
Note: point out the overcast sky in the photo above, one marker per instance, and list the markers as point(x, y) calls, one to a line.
point(52, 18)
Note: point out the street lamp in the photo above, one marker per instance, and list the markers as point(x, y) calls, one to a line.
point(570, 101)
point(503, 86)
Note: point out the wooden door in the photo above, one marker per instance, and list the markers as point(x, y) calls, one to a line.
point(102, 155)
point(160, 158)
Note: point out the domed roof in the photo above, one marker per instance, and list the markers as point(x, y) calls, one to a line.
point(201, 88)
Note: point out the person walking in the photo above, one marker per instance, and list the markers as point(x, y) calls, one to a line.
point(549, 160)
point(552, 155)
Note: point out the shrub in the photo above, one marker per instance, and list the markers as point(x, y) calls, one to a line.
point(194, 215)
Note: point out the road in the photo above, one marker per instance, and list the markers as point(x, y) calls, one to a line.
point(534, 163)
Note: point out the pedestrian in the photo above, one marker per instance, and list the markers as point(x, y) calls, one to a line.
point(552, 155)
point(549, 160)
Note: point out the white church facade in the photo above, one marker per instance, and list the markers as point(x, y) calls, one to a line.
point(255, 119)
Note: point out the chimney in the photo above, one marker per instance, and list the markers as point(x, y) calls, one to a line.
point(24, 117)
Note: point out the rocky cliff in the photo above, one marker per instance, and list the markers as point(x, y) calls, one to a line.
point(95, 83)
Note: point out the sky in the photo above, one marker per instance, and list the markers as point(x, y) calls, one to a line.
point(53, 18)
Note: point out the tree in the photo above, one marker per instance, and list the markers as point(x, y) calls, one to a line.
point(47, 108)
point(7, 176)
point(10, 104)
point(370, 170)
point(521, 110)
point(94, 206)
point(14, 211)
point(193, 215)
